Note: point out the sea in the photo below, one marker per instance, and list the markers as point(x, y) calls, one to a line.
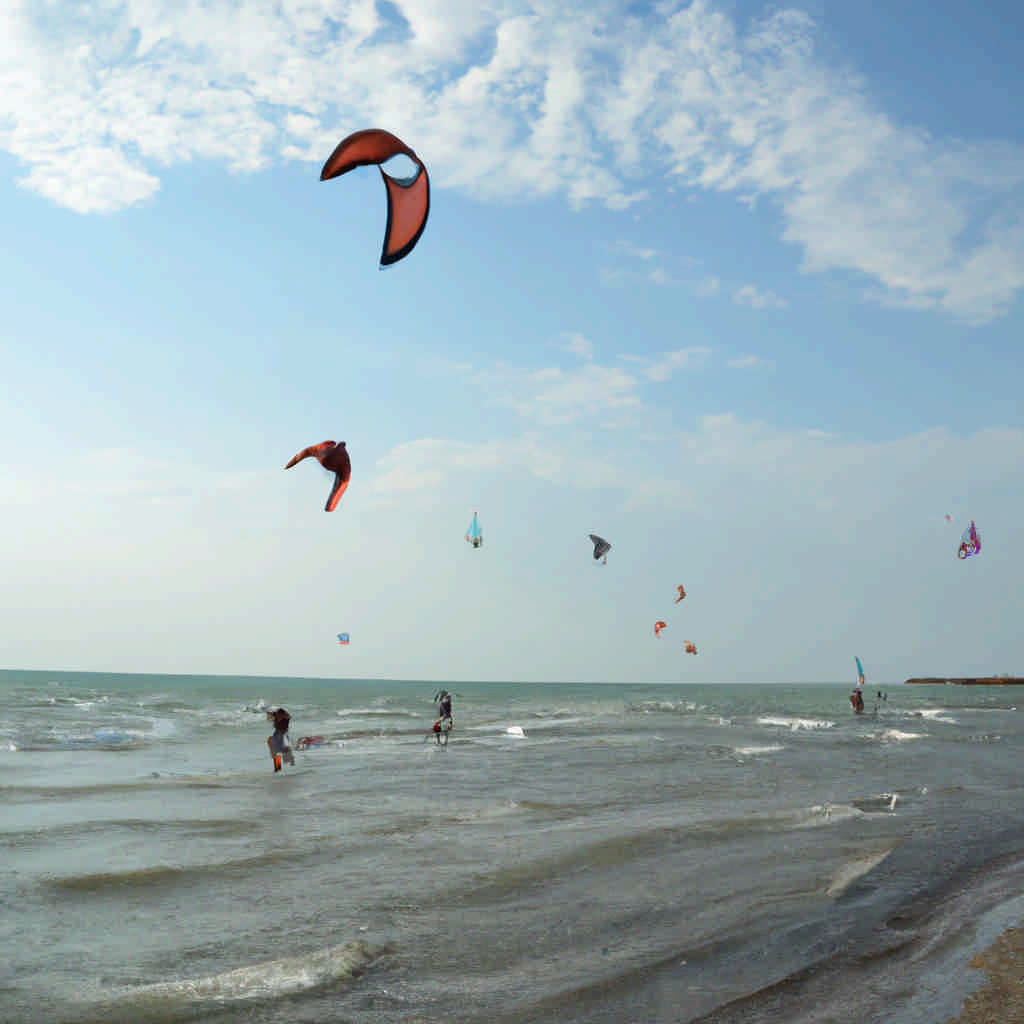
point(576, 853)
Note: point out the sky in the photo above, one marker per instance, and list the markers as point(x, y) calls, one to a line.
point(737, 286)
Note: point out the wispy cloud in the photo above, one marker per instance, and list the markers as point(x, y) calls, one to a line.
point(585, 101)
point(129, 476)
point(683, 358)
point(750, 296)
point(553, 395)
point(580, 346)
point(424, 465)
point(745, 362)
point(635, 250)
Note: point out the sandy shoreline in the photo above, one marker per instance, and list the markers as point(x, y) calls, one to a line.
point(1000, 999)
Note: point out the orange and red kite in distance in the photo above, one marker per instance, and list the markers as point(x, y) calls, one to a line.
point(408, 198)
point(682, 593)
point(658, 627)
point(690, 648)
point(333, 457)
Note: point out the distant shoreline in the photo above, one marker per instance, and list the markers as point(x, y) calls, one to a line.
point(976, 681)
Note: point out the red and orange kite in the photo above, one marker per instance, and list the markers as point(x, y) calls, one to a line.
point(333, 457)
point(408, 198)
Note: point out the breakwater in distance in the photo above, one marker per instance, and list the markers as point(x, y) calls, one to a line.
point(975, 681)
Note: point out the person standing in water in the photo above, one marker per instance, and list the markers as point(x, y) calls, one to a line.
point(444, 722)
point(857, 700)
point(278, 742)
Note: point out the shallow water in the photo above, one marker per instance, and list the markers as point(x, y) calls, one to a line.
point(577, 853)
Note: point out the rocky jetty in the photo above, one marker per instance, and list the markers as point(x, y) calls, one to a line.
point(975, 681)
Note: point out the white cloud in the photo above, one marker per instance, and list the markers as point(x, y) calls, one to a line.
point(424, 465)
point(580, 346)
point(682, 358)
point(748, 295)
point(580, 100)
point(129, 477)
point(555, 396)
point(637, 251)
point(708, 287)
point(745, 362)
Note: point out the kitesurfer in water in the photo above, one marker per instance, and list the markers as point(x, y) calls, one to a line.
point(278, 742)
point(444, 722)
point(857, 700)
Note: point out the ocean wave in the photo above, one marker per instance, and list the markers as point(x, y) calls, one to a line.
point(267, 980)
point(898, 736)
point(200, 828)
point(933, 715)
point(855, 869)
point(878, 804)
point(795, 724)
point(769, 748)
point(379, 712)
point(115, 736)
point(647, 707)
point(163, 875)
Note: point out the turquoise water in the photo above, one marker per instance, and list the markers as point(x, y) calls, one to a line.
point(577, 852)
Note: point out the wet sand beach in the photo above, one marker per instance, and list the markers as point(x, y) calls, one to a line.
point(1000, 1000)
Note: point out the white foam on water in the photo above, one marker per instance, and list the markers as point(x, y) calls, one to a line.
point(515, 730)
point(934, 715)
point(260, 981)
point(896, 736)
point(825, 814)
point(377, 712)
point(854, 869)
point(555, 723)
point(795, 724)
point(769, 748)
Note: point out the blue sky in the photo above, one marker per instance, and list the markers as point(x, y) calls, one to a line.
point(736, 286)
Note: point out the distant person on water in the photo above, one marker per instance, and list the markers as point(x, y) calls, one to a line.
point(857, 700)
point(278, 742)
point(444, 722)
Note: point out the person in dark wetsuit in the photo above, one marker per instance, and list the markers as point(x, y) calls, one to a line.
point(857, 700)
point(278, 742)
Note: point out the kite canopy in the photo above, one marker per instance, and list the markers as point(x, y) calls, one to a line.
point(408, 198)
point(601, 546)
point(333, 457)
point(474, 535)
point(343, 638)
point(658, 627)
point(970, 542)
point(860, 671)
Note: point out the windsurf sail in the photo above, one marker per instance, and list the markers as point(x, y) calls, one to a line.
point(474, 535)
point(860, 671)
point(343, 638)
